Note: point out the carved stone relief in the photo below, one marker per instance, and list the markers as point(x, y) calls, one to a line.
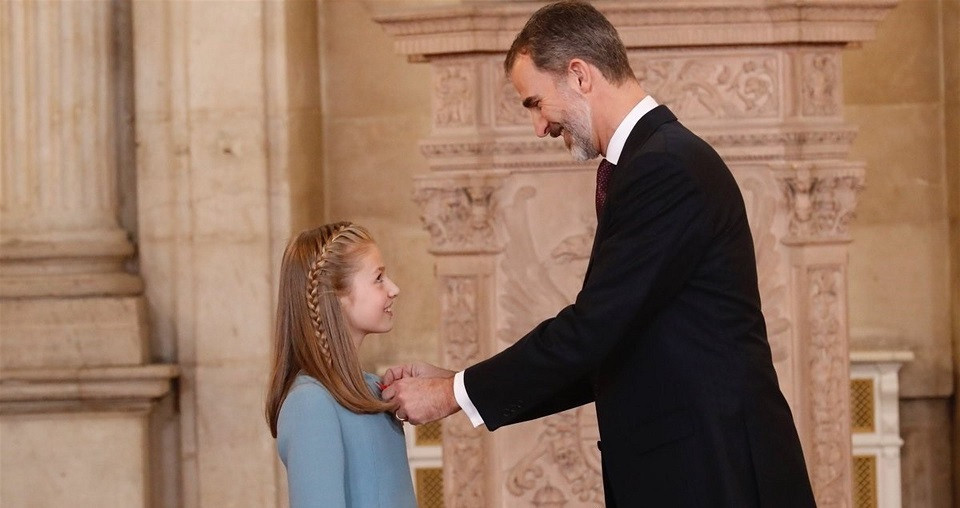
point(510, 111)
point(761, 204)
point(458, 213)
point(712, 86)
point(462, 444)
point(464, 464)
point(453, 98)
point(829, 372)
point(568, 446)
point(529, 293)
point(459, 321)
point(821, 204)
point(820, 92)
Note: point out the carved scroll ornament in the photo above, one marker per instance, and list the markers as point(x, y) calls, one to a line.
point(735, 86)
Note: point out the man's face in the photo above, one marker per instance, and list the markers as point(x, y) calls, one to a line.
point(555, 108)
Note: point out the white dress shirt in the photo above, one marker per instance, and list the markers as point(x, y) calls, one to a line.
point(614, 148)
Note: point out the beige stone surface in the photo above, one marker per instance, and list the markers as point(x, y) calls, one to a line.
point(232, 459)
point(951, 42)
point(900, 282)
point(925, 427)
point(899, 264)
point(902, 145)
point(377, 109)
point(84, 332)
point(232, 303)
point(387, 85)
point(81, 459)
point(905, 52)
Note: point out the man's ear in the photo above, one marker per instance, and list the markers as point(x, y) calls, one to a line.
point(581, 75)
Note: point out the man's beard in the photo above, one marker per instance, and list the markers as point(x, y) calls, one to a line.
point(577, 122)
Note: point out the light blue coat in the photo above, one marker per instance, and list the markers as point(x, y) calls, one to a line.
point(338, 458)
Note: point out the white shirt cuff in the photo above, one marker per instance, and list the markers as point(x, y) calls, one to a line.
point(460, 392)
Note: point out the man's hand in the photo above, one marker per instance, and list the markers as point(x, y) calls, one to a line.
point(422, 392)
point(417, 369)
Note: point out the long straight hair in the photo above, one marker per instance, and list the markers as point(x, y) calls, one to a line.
point(311, 336)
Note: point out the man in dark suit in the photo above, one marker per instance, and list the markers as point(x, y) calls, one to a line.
point(666, 336)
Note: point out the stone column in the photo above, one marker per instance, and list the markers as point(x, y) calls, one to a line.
point(76, 389)
point(758, 80)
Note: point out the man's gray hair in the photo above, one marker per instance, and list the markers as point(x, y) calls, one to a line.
point(560, 32)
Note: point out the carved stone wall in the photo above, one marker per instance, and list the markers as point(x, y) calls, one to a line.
point(511, 219)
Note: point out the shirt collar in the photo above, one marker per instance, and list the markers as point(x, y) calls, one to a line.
point(626, 127)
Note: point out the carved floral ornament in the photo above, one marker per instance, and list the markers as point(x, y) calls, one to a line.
point(459, 321)
point(821, 203)
point(458, 212)
point(464, 457)
point(463, 445)
point(829, 372)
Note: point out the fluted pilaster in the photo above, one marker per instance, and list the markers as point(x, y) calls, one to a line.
point(58, 195)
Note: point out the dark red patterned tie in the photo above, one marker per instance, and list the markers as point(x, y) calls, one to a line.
point(603, 178)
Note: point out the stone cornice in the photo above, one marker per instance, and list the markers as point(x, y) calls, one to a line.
point(526, 153)
point(52, 389)
point(471, 27)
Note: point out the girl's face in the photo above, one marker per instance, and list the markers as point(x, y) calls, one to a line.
point(368, 302)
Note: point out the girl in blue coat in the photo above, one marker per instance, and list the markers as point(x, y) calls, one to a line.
point(340, 443)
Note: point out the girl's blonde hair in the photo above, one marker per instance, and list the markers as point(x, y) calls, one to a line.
point(311, 336)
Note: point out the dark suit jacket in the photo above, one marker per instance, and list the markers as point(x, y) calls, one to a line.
point(667, 337)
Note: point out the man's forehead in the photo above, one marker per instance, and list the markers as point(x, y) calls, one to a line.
point(526, 78)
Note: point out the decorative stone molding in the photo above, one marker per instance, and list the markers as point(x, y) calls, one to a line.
point(84, 389)
point(458, 211)
point(821, 203)
point(829, 371)
point(735, 144)
point(491, 27)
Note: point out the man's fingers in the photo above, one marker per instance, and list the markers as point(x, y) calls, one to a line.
point(389, 392)
point(394, 373)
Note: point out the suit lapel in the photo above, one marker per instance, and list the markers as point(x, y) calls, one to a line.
point(645, 127)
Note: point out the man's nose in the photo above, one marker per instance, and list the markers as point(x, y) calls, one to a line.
point(540, 125)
